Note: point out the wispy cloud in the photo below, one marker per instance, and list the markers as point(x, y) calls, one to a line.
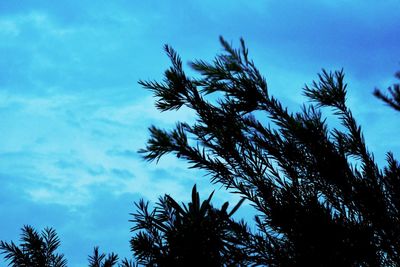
point(72, 115)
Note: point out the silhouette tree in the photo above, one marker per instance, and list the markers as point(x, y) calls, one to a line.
point(393, 99)
point(196, 234)
point(38, 250)
point(35, 250)
point(110, 260)
point(101, 260)
point(320, 196)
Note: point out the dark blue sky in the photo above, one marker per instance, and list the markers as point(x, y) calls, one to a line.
point(72, 115)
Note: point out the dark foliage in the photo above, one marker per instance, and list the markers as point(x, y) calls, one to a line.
point(38, 250)
point(321, 198)
point(103, 260)
point(35, 250)
point(196, 234)
point(393, 99)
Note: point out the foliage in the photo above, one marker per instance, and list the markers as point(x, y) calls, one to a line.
point(101, 260)
point(196, 234)
point(35, 250)
point(38, 250)
point(321, 198)
point(393, 99)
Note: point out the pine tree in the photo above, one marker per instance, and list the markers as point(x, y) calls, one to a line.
point(98, 259)
point(39, 250)
point(35, 250)
point(320, 196)
point(196, 234)
point(393, 99)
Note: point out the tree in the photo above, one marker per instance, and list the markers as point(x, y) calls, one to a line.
point(320, 196)
point(36, 250)
point(101, 260)
point(393, 99)
point(196, 234)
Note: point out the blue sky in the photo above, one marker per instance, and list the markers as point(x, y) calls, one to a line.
point(72, 115)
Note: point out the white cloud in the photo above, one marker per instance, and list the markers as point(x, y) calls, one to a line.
point(14, 25)
point(70, 161)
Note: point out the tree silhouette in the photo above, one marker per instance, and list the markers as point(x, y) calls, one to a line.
point(38, 250)
point(196, 234)
point(320, 196)
point(393, 99)
point(103, 260)
point(35, 250)
point(100, 260)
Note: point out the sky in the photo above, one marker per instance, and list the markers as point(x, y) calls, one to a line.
point(72, 115)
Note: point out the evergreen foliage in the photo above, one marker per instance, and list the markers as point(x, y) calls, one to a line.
point(35, 250)
point(196, 234)
point(393, 99)
point(320, 196)
point(103, 260)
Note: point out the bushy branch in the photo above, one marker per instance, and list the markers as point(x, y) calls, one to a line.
point(393, 98)
point(186, 235)
point(35, 249)
point(297, 173)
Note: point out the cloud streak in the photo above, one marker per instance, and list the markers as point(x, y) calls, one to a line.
point(72, 115)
